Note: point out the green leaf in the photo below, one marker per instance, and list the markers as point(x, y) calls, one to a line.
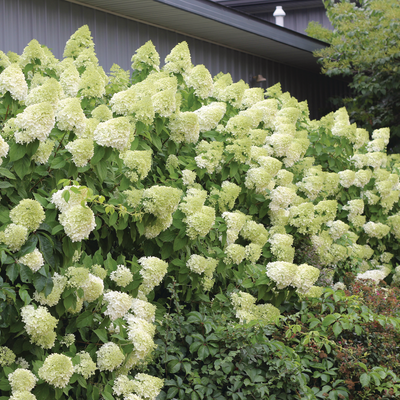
point(17, 151)
point(58, 162)
point(101, 170)
point(99, 152)
point(365, 379)
point(102, 335)
point(12, 271)
point(5, 185)
point(39, 282)
point(337, 329)
point(84, 319)
point(29, 246)
point(174, 366)
point(328, 320)
point(7, 173)
point(172, 391)
point(26, 274)
point(22, 167)
point(179, 244)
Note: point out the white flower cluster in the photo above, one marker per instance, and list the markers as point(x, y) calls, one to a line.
point(286, 274)
point(118, 304)
point(56, 370)
point(122, 276)
point(12, 80)
point(202, 265)
point(78, 221)
point(153, 271)
point(199, 218)
point(33, 260)
point(247, 310)
point(40, 325)
point(109, 357)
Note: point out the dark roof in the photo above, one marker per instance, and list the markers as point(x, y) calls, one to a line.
point(263, 6)
point(218, 24)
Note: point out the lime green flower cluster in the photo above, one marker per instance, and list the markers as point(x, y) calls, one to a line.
point(122, 276)
point(138, 162)
point(40, 325)
point(247, 310)
point(199, 218)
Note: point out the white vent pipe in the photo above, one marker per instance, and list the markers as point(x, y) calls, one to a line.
point(279, 15)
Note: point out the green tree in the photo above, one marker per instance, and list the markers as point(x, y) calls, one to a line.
point(365, 47)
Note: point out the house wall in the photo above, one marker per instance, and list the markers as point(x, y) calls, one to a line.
point(297, 20)
point(52, 22)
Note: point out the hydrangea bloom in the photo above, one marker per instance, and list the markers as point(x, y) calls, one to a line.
point(40, 325)
point(75, 197)
point(33, 260)
point(7, 356)
point(122, 276)
point(148, 387)
point(79, 41)
point(259, 179)
point(161, 200)
point(255, 233)
point(12, 80)
point(22, 380)
point(43, 152)
point(123, 386)
point(56, 370)
point(92, 288)
point(253, 252)
point(118, 304)
point(199, 78)
point(70, 116)
point(235, 222)
point(138, 162)
point(178, 60)
point(282, 273)
point(22, 395)
point(70, 81)
point(35, 122)
point(153, 271)
point(146, 56)
point(226, 196)
point(14, 236)
point(86, 366)
point(141, 333)
point(28, 213)
point(209, 155)
point(337, 229)
point(92, 83)
point(235, 254)
point(188, 177)
point(114, 133)
point(185, 127)
point(376, 229)
point(78, 222)
point(82, 151)
point(281, 247)
point(164, 102)
point(109, 357)
point(210, 115)
point(143, 310)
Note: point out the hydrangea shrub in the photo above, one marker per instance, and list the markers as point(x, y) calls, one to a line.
point(114, 187)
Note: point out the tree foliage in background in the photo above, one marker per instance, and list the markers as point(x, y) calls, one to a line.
point(365, 47)
point(156, 225)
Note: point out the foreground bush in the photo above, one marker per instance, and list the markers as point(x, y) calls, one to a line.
point(146, 218)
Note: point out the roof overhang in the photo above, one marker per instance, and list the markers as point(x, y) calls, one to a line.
point(210, 21)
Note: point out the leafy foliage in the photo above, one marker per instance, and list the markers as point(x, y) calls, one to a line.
point(365, 46)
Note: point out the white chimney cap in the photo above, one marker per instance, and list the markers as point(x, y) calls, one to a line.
point(279, 12)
